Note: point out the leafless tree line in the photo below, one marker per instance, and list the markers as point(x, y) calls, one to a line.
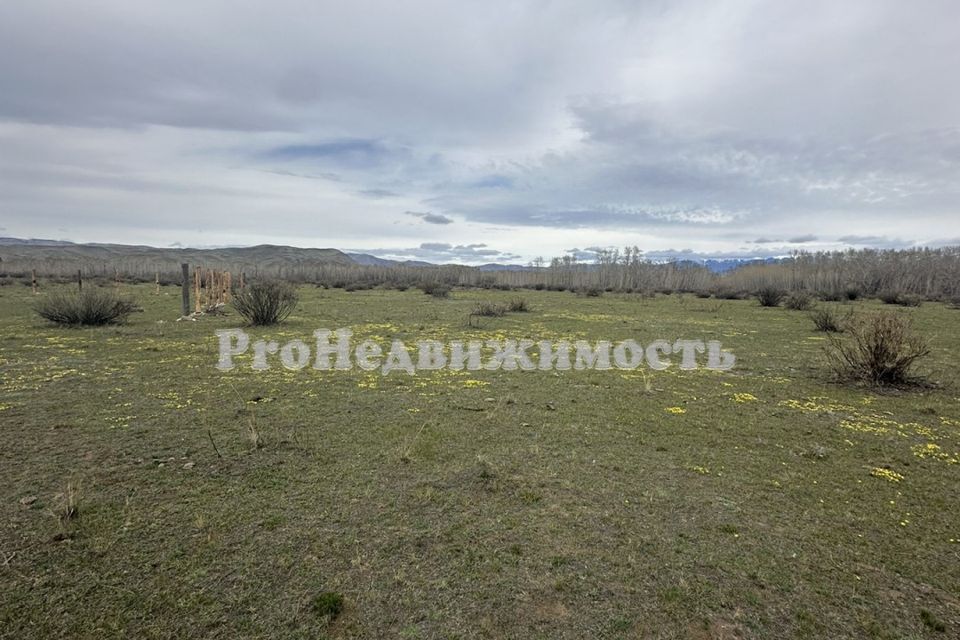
point(931, 273)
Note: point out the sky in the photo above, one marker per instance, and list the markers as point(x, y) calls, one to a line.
point(479, 132)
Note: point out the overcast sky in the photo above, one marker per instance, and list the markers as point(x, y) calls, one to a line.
point(483, 131)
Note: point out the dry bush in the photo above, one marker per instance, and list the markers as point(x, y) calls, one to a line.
point(518, 305)
point(436, 289)
point(770, 296)
point(265, 303)
point(902, 299)
point(489, 310)
point(879, 348)
point(92, 306)
point(726, 293)
point(590, 292)
point(799, 301)
point(827, 320)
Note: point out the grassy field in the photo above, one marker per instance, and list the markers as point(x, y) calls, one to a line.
point(765, 502)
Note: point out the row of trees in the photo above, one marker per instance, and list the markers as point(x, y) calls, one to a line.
point(931, 273)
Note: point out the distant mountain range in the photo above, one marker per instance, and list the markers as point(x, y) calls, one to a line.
point(265, 255)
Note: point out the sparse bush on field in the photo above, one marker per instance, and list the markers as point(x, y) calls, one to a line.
point(518, 305)
point(880, 348)
point(590, 292)
point(92, 306)
point(889, 296)
point(489, 309)
point(799, 301)
point(726, 293)
point(436, 289)
point(827, 320)
point(851, 293)
point(265, 303)
point(770, 296)
point(902, 299)
point(702, 294)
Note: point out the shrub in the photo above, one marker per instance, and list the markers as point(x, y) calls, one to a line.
point(725, 293)
point(910, 300)
point(826, 320)
point(590, 292)
point(851, 293)
point(770, 296)
point(265, 303)
point(92, 306)
point(902, 299)
point(518, 305)
point(799, 301)
point(489, 310)
point(889, 296)
point(436, 289)
point(881, 349)
point(702, 294)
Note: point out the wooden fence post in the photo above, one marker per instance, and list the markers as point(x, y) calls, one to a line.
point(185, 288)
point(158, 283)
point(79, 279)
point(197, 276)
point(33, 280)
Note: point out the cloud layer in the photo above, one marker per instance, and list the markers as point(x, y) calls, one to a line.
point(520, 129)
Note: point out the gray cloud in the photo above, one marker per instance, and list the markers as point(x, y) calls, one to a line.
point(432, 218)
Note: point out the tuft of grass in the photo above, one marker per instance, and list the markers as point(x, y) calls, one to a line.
point(265, 303)
point(882, 349)
point(67, 504)
point(931, 621)
point(91, 307)
point(328, 604)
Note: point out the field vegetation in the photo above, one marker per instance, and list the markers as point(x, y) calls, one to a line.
point(146, 494)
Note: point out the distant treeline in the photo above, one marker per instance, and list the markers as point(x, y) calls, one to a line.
point(930, 273)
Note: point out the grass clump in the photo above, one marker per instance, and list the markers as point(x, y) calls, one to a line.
point(265, 303)
point(880, 349)
point(931, 621)
point(91, 307)
point(328, 604)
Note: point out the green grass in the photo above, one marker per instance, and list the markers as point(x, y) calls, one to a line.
point(479, 504)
